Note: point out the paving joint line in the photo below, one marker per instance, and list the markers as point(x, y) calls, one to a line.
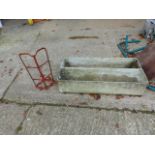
point(6, 101)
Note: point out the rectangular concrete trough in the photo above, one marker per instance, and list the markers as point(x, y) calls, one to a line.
point(105, 76)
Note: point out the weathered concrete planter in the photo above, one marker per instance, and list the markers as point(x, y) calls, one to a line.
point(105, 76)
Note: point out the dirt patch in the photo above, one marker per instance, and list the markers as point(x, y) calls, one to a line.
point(39, 112)
point(83, 103)
point(77, 51)
point(18, 129)
point(127, 25)
point(10, 71)
point(116, 125)
point(141, 36)
point(83, 37)
point(119, 97)
point(87, 28)
point(55, 82)
point(95, 96)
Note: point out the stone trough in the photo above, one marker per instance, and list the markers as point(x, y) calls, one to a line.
point(102, 75)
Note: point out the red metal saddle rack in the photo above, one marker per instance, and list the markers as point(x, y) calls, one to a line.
point(44, 81)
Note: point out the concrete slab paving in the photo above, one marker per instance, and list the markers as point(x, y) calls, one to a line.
point(17, 39)
point(13, 40)
point(23, 91)
point(61, 46)
point(69, 120)
point(55, 36)
point(8, 70)
point(11, 116)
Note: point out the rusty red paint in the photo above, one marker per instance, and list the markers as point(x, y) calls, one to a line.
point(95, 96)
point(44, 81)
point(141, 36)
point(119, 97)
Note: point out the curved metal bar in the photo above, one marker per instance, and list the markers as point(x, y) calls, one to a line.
point(27, 54)
point(43, 78)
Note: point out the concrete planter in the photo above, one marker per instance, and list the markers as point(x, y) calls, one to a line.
point(105, 76)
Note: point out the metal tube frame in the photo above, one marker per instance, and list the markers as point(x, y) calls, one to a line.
point(46, 80)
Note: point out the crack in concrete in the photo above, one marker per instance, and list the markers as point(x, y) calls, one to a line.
point(20, 126)
point(6, 90)
point(5, 101)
